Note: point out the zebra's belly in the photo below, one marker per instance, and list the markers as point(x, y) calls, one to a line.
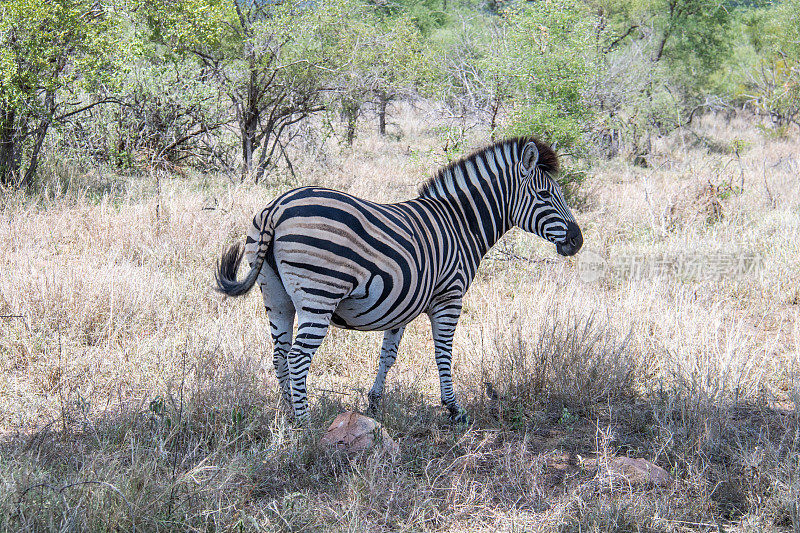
point(350, 315)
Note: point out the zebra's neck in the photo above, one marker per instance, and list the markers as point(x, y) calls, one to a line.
point(478, 192)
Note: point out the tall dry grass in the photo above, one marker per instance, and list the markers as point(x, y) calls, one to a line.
point(134, 396)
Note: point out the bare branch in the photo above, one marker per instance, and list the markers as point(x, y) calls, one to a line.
point(619, 39)
point(87, 107)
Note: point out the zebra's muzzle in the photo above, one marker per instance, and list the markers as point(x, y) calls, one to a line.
point(573, 241)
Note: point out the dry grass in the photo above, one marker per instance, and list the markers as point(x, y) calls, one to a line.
point(133, 396)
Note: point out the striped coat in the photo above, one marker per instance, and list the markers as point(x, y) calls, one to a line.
point(330, 258)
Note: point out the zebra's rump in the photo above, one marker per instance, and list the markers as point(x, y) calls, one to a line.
point(360, 260)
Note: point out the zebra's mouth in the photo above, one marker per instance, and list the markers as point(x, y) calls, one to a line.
point(572, 242)
point(564, 248)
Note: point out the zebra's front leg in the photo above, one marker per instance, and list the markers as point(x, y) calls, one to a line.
point(391, 341)
point(444, 318)
point(311, 329)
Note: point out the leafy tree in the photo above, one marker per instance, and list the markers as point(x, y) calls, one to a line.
point(273, 61)
point(771, 81)
point(655, 65)
point(426, 15)
point(465, 73)
point(690, 33)
point(386, 62)
point(49, 52)
point(547, 59)
point(165, 116)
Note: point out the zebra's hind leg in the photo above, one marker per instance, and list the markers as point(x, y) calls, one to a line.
point(280, 311)
point(311, 329)
point(281, 328)
point(391, 340)
point(444, 318)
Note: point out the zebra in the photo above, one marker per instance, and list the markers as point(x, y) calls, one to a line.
point(334, 259)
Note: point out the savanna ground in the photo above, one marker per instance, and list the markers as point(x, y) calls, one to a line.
point(133, 396)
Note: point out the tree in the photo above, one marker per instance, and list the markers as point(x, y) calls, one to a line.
point(522, 73)
point(654, 66)
point(273, 60)
point(49, 51)
point(469, 78)
point(772, 79)
point(167, 115)
point(547, 59)
point(385, 62)
point(426, 15)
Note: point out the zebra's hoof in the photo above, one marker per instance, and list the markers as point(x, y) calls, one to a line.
point(459, 417)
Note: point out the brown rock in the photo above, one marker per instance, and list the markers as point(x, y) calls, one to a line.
point(354, 432)
point(638, 471)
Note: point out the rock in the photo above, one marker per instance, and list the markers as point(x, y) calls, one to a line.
point(355, 432)
point(637, 471)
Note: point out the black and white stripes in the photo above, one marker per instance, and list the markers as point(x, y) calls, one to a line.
point(331, 258)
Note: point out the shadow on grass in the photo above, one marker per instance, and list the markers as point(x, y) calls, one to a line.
point(219, 460)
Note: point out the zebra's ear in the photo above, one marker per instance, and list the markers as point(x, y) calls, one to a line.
point(530, 156)
point(554, 146)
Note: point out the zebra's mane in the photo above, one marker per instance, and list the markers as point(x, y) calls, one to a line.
point(548, 162)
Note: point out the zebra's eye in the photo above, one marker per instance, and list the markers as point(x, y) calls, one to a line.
point(544, 195)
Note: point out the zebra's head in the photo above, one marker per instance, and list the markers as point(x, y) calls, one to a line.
point(540, 206)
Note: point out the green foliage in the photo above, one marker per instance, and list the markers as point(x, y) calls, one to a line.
point(225, 84)
point(770, 81)
point(47, 46)
point(166, 106)
point(50, 52)
point(392, 53)
point(207, 25)
point(426, 15)
point(383, 60)
point(547, 62)
point(656, 65)
point(693, 36)
point(465, 68)
point(273, 61)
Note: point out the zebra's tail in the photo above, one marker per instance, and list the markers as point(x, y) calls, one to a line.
point(227, 266)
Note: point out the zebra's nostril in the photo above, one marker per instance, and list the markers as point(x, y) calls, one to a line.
point(574, 238)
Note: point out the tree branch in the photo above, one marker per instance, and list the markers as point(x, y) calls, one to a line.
point(203, 129)
point(619, 39)
point(87, 107)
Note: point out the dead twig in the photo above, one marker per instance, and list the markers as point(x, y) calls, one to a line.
point(511, 256)
point(17, 317)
